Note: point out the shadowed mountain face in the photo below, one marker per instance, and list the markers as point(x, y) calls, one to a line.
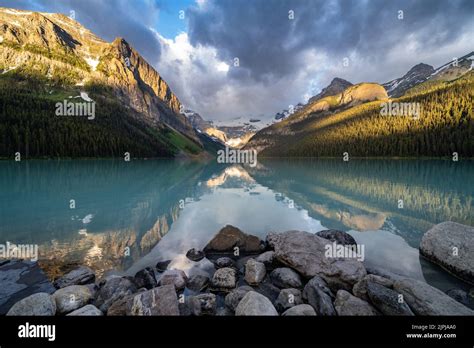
point(416, 75)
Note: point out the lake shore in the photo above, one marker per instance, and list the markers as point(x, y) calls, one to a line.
point(290, 273)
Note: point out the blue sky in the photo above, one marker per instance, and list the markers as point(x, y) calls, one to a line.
point(282, 60)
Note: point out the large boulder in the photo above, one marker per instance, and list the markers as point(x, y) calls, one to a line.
point(339, 237)
point(20, 279)
point(231, 237)
point(80, 276)
point(112, 290)
point(87, 311)
point(347, 304)
point(451, 245)
point(254, 272)
point(285, 277)
point(253, 304)
point(224, 279)
point(319, 296)
point(39, 304)
point(300, 311)
point(71, 298)
point(424, 299)
point(306, 253)
point(386, 300)
point(158, 301)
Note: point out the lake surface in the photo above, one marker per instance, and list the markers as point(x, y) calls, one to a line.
point(129, 215)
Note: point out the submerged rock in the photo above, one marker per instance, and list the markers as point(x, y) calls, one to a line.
point(254, 272)
point(20, 279)
point(451, 245)
point(80, 276)
point(230, 237)
point(286, 278)
point(319, 296)
point(71, 298)
point(195, 255)
point(424, 299)
point(158, 301)
point(306, 253)
point(339, 237)
point(347, 304)
point(253, 304)
point(300, 310)
point(39, 304)
point(87, 311)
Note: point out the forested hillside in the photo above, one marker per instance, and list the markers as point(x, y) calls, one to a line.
point(446, 125)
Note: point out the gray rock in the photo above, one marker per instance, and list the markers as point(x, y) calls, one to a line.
point(203, 304)
point(80, 276)
point(222, 262)
point(306, 253)
point(319, 296)
point(20, 279)
point(360, 288)
point(224, 312)
point(195, 255)
point(175, 277)
point(427, 300)
point(254, 272)
point(87, 311)
point(145, 278)
point(461, 296)
point(235, 296)
point(224, 279)
point(288, 298)
point(285, 278)
point(347, 304)
point(197, 282)
point(157, 301)
point(230, 237)
point(123, 306)
point(39, 304)
point(339, 237)
point(254, 304)
point(300, 310)
point(71, 298)
point(112, 290)
point(386, 300)
point(451, 246)
point(268, 259)
point(268, 290)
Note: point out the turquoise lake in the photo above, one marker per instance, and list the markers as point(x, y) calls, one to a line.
point(128, 215)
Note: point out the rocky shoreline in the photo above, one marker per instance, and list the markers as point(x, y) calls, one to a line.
point(288, 274)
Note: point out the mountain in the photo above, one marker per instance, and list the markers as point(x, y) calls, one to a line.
point(336, 86)
point(454, 69)
point(53, 58)
point(285, 113)
point(352, 122)
point(416, 75)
